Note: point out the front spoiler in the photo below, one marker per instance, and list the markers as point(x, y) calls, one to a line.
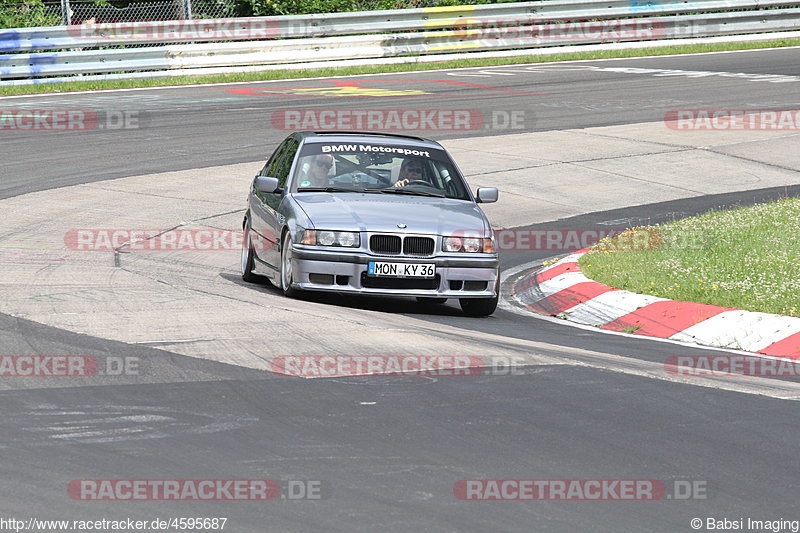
point(351, 266)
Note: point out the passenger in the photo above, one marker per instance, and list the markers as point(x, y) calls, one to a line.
point(317, 173)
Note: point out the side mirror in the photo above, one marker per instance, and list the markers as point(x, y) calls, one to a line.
point(266, 184)
point(486, 195)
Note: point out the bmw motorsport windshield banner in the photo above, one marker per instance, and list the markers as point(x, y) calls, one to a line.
point(362, 148)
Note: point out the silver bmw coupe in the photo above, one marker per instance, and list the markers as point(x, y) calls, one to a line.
point(365, 213)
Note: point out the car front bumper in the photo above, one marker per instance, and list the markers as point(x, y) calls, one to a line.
point(337, 270)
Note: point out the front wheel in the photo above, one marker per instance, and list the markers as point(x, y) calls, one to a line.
point(481, 306)
point(286, 267)
point(478, 306)
point(248, 258)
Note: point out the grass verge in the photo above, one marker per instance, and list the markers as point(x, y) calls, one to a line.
point(373, 69)
point(745, 258)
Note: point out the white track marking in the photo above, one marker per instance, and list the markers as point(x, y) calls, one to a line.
point(284, 80)
point(609, 306)
point(746, 330)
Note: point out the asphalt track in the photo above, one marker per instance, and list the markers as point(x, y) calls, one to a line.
point(209, 126)
point(388, 451)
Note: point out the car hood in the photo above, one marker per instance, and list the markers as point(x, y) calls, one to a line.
point(381, 212)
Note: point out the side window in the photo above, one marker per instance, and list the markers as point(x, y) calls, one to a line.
point(271, 165)
point(284, 164)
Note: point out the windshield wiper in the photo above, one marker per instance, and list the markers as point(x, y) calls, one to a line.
point(327, 189)
point(397, 190)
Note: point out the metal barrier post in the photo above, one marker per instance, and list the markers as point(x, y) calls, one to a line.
point(66, 13)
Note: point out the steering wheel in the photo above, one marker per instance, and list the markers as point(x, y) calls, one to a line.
point(418, 182)
point(357, 177)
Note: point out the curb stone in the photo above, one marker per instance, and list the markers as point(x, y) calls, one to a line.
point(563, 291)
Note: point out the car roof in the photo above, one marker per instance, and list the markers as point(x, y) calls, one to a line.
point(367, 137)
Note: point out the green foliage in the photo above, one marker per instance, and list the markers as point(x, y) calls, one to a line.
point(27, 13)
point(299, 7)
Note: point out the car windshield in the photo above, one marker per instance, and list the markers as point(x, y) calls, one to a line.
point(377, 168)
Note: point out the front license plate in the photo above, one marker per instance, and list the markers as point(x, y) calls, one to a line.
point(401, 270)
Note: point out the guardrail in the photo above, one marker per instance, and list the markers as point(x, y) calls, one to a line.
point(303, 38)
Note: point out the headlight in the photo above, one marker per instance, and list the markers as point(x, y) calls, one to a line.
point(346, 239)
point(453, 244)
point(473, 244)
point(467, 244)
point(326, 238)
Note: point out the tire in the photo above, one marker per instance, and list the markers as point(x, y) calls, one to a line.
point(248, 258)
point(478, 306)
point(481, 306)
point(286, 267)
point(430, 300)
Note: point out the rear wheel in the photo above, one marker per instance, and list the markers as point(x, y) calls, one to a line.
point(286, 267)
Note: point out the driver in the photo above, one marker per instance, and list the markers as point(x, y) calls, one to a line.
point(317, 173)
point(410, 170)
